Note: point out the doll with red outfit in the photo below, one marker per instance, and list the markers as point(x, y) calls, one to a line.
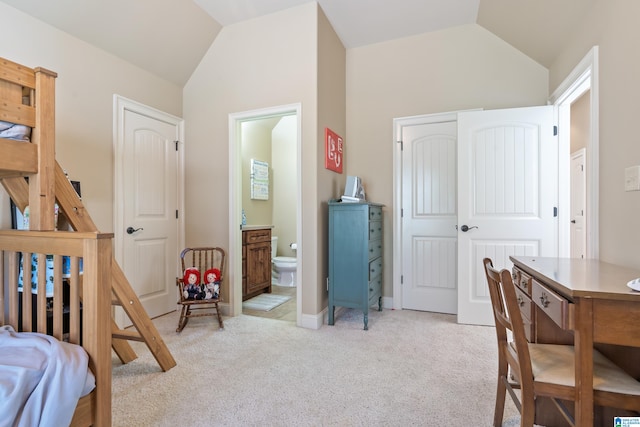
point(212, 283)
point(191, 281)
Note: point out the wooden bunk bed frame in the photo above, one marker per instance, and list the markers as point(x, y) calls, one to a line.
point(27, 97)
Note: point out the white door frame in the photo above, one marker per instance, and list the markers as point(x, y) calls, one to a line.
point(235, 200)
point(120, 105)
point(582, 78)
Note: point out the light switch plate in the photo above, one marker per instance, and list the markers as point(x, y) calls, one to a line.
point(632, 178)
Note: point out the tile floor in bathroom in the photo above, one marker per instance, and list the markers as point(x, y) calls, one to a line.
point(286, 311)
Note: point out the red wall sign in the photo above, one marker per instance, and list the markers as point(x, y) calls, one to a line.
point(333, 149)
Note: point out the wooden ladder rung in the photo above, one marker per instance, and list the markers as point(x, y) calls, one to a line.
point(127, 334)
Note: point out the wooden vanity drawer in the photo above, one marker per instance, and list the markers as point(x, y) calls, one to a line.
point(255, 236)
point(559, 309)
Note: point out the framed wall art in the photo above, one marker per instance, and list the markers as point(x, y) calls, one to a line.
point(333, 151)
point(259, 180)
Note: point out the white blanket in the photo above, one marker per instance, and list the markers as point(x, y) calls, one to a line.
point(41, 379)
point(13, 131)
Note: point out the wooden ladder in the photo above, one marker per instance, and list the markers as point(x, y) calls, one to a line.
point(73, 210)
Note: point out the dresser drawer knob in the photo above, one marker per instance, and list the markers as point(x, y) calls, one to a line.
point(520, 301)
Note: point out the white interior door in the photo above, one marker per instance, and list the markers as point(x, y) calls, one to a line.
point(578, 204)
point(429, 217)
point(507, 196)
point(148, 215)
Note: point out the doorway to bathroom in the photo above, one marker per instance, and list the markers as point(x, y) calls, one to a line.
point(265, 192)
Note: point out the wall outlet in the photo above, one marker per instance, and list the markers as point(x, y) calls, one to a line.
point(632, 178)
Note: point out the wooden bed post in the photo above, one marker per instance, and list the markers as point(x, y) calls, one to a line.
point(42, 184)
point(96, 314)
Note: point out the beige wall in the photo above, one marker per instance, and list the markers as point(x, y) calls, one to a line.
point(613, 26)
point(273, 140)
point(331, 65)
point(460, 68)
point(265, 62)
point(256, 145)
point(87, 80)
point(580, 122)
point(285, 184)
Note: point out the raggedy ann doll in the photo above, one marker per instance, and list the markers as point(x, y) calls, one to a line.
point(212, 283)
point(191, 280)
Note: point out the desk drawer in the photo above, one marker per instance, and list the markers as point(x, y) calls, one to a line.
point(555, 306)
point(526, 310)
point(522, 280)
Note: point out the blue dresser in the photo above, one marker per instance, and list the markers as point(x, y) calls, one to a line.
point(355, 257)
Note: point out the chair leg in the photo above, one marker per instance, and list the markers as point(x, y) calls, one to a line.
point(501, 392)
point(219, 317)
point(182, 322)
point(528, 412)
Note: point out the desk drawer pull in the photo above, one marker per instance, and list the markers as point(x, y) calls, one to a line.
point(544, 300)
point(520, 301)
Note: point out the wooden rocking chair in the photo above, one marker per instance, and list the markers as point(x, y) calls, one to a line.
point(199, 288)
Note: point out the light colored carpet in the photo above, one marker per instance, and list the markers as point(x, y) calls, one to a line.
point(265, 302)
point(409, 369)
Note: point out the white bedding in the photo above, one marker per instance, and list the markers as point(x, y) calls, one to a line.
point(14, 131)
point(41, 379)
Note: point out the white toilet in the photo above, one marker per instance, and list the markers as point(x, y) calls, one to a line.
point(283, 271)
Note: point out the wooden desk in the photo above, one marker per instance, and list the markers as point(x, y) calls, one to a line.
point(599, 308)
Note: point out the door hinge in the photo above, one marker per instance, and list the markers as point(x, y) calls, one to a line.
point(401, 145)
point(401, 212)
point(401, 279)
point(555, 211)
point(177, 142)
point(555, 131)
point(176, 213)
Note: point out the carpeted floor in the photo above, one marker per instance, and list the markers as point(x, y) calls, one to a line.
point(409, 368)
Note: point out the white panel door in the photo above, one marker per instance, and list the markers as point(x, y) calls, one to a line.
point(578, 204)
point(507, 196)
point(150, 174)
point(429, 217)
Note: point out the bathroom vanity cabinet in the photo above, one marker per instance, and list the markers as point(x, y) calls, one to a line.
point(256, 261)
point(355, 257)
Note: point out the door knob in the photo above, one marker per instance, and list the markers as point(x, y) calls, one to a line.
point(131, 230)
point(466, 228)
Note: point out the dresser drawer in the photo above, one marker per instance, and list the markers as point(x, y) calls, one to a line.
point(559, 309)
point(375, 249)
point(375, 230)
point(375, 268)
point(375, 290)
point(375, 213)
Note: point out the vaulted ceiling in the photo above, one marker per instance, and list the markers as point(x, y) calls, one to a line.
point(169, 37)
